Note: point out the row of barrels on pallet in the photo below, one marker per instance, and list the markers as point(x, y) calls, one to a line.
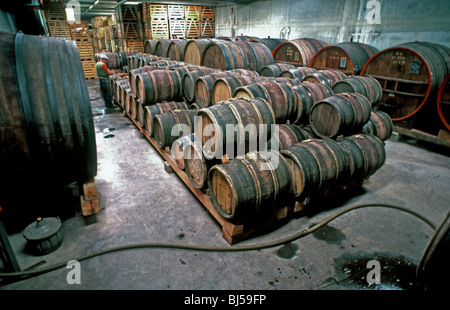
point(348, 163)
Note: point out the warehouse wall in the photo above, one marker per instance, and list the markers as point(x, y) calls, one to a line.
point(337, 21)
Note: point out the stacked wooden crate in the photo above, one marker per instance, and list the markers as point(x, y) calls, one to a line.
point(207, 22)
point(176, 21)
point(82, 37)
point(192, 21)
point(129, 22)
point(99, 34)
point(55, 16)
point(159, 21)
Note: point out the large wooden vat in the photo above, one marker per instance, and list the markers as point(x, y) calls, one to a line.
point(409, 74)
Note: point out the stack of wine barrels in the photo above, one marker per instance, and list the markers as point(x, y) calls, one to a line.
point(47, 136)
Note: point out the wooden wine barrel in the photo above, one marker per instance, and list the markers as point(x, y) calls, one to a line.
point(47, 135)
point(172, 125)
point(328, 77)
point(443, 102)
point(249, 186)
point(348, 57)
point(279, 95)
point(275, 69)
point(204, 87)
point(365, 85)
point(340, 114)
point(271, 43)
point(380, 125)
point(228, 55)
point(158, 86)
point(224, 55)
point(244, 115)
point(298, 52)
point(307, 95)
point(149, 46)
point(288, 134)
point(298, 73)
point(162, 47)
point(245, 38)
point(196, 165)
point(314, 165)
point(122, 89)
point(160, 108)
point(178, 147)
point(176, 49)
point(194, 49)
point(132, 77)
point(189, 80)
point(224, 87)
point(130, 101)
point(408, 73)
point(257, 55)
point(124, 57)
point(366, 155)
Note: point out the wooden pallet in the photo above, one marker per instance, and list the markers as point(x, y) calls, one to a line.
point(175, 11)
point(54, 9)
point(206, 12)
point(160, 29)
point(59, 28)
point(192, 28)
point(85, 49)
point(442, 138)
point(134, 46)
point(177, 28)
point(158, 11)
point(89, 69)
point(207, 28)
point(192, 12)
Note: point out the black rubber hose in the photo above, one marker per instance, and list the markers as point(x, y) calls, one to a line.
point(271, 244)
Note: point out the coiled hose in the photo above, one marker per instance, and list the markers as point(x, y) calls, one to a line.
point(275, 243)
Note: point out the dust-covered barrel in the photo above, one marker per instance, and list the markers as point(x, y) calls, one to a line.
point(248, 187)
point(409, 74)
point(298, 52)
point(348, 57)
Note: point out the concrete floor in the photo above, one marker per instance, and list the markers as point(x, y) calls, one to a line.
point(140, 202)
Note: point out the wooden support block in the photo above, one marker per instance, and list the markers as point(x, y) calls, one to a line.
point(444, 134)
point(89, 207)
point(90, 190)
